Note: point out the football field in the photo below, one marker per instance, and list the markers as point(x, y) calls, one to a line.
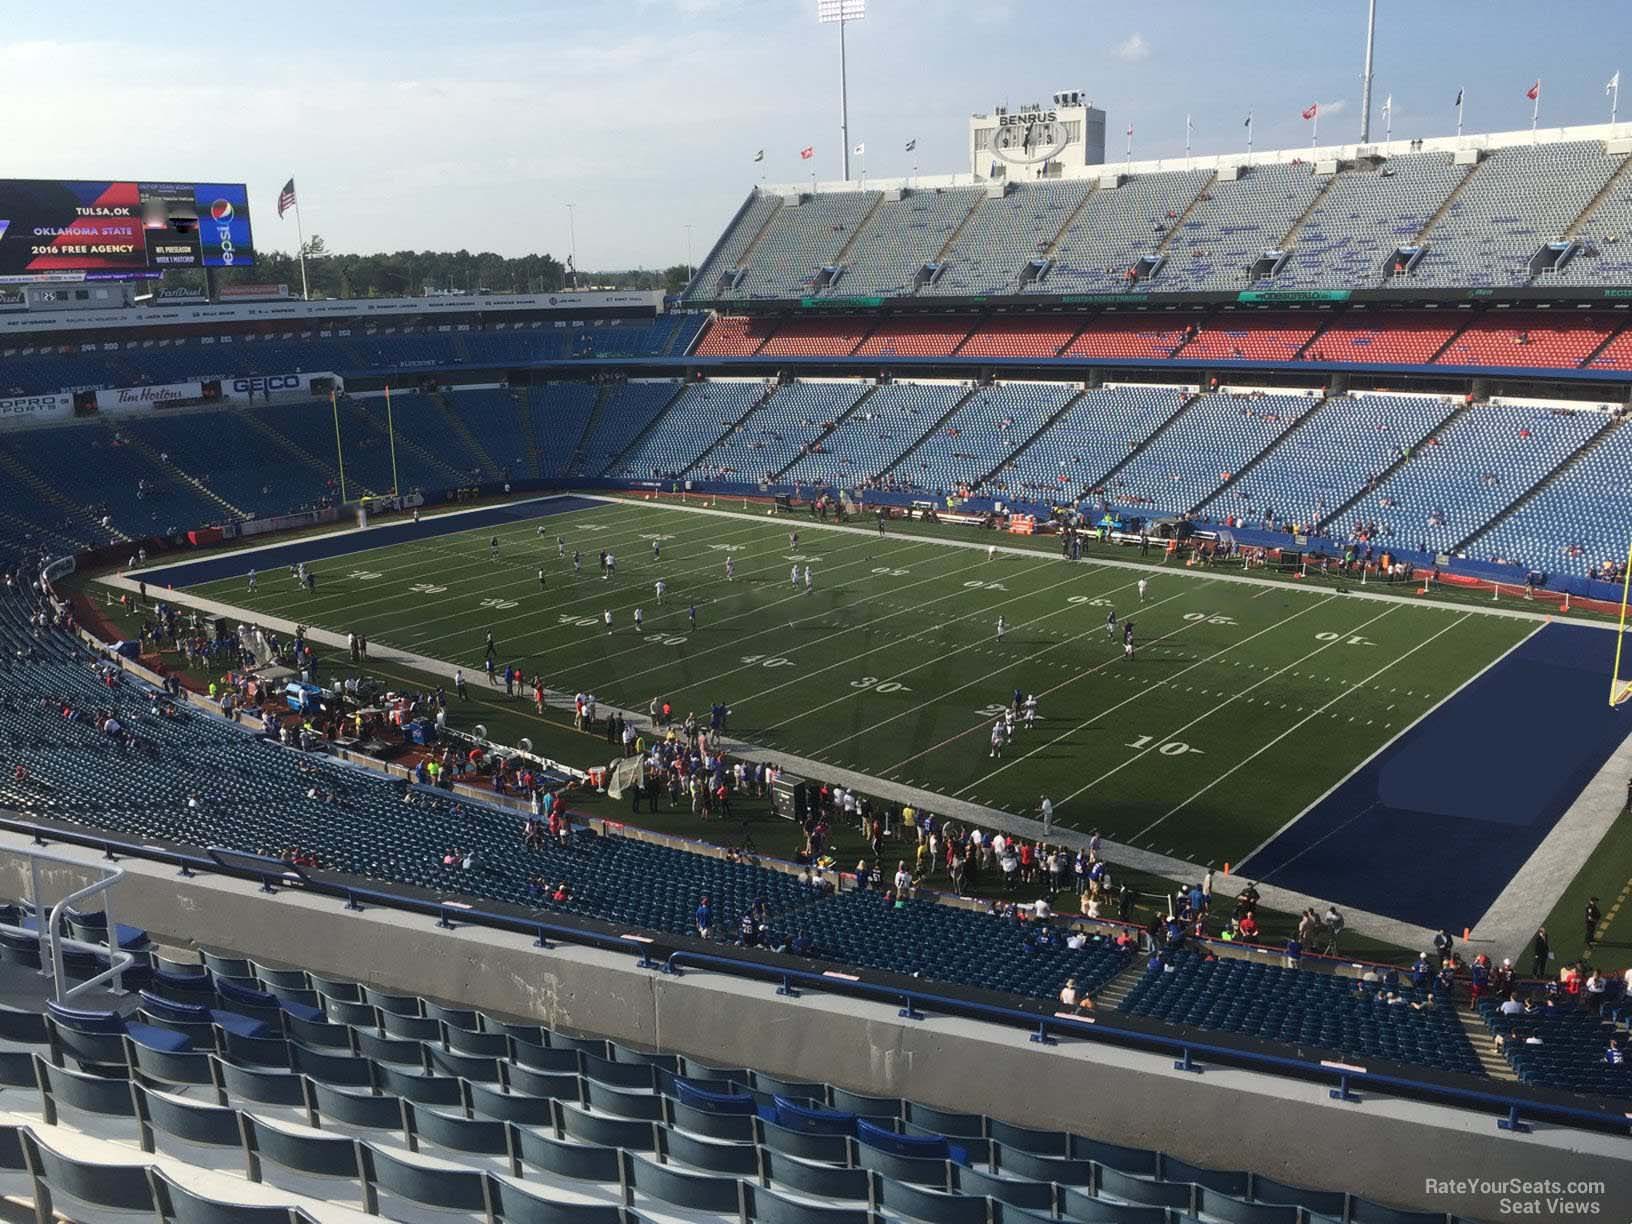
point(1243, 704)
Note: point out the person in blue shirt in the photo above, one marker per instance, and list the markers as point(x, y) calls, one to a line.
point(1420, 972)
point(1294, 952)
point(1614, 1055)
point(705, 918)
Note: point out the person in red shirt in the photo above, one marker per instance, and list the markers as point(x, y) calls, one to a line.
point(1249, 926)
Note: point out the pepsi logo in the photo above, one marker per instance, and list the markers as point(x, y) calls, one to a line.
point(221, 211)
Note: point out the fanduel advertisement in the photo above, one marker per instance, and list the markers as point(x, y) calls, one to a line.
point(55, 229)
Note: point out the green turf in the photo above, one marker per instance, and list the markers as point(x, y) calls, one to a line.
point(1244, 703)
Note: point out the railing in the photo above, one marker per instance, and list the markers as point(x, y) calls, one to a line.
point(670, 954)
point(49, 926)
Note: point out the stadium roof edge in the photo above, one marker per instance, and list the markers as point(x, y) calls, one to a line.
point(1605, 132)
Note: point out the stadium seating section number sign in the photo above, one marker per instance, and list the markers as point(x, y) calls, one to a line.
point(53, 229)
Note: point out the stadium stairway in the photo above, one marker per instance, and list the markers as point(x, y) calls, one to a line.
point(1035, 434)
point(1177, 228)
point(1445, 206)
point(1113, 993)
point(522, 405)
point(641, 434)
point(737, 424)
point(1389, 471)
point(1290, 238)
point(828, 432)
point(284, 445)
point(455, 422)
point(71, 511)
point(1604, 192)
point(930, 432)
point(1535, 490)
point(176, 472)
point(1105, 480)
point(602, 394)
point(1247, 467)
point(1483, 1042)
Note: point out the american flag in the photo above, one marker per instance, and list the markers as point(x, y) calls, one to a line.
point(286, 197)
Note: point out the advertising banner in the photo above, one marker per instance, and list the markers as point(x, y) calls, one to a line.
point(24, 409)
point(130, 399)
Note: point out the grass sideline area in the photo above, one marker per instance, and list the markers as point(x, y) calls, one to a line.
point(755, 827)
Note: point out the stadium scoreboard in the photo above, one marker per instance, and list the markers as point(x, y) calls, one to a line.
point(70, 230)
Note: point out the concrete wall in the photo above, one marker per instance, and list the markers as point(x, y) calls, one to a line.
point(1383, 1149)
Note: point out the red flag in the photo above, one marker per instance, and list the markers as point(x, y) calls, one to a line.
point(1310, 111)
point(1534, 91)
point(808, 152)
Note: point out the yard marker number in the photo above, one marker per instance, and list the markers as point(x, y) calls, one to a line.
point(887, 572)
point(499, 604)
point(1089, 601)
point(879, 686)
point(768, 660)
point(1353, 639)
point(667, 639)
point(975, 584)
point(427, 588)
point(583, 622)
point(1209, 618)
point(364, 575)
point(1172, 748)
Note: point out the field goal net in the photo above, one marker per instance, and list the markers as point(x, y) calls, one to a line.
point(1620, 684)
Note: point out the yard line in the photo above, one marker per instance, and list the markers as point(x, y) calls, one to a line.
point(1166, 681)
point(621, 597)
point(985, 610)
point(777, 628)
point(1156, 742)
point(457, 579)
point(1355, 687)
point(1066, 683)
point(943, 695)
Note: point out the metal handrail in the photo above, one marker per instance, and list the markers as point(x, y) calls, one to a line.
point(51, 939)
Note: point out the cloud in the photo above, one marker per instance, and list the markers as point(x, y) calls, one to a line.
point(1132, 49)
point(1336, 107)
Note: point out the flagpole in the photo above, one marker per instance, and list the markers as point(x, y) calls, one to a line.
point(1314, 129)
point(1535, 110)
point(1614, 94)
point(1187, 139)
point(1388, 118)
point(300, 236)
point(1459, 93)
point(1249, 135)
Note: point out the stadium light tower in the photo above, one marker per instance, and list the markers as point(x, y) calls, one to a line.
point(1365, 81)
point(841, 12)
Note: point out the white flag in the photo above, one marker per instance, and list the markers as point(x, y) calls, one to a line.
point(861, 149)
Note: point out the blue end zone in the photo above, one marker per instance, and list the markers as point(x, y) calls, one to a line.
point(1432, 829)
point(281, 556)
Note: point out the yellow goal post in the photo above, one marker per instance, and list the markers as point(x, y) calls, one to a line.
point(1621, 688)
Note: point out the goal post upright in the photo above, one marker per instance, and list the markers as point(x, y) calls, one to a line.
point(1619, 690)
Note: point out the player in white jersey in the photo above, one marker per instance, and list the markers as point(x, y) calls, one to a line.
point(1143, 583)
point(991, 552)
point(662, 589)
point(1031, 709)
point(999, 738)
point(560, 548)
point(606, 616)
point(640, 620)
point(730, 569)
point(1110, 623)
point(657, 551)
point(1002, 628)
point(809, 585)
point(793, 577)
point(252, 581)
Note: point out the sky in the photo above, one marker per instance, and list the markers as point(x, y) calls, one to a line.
point(418, 124)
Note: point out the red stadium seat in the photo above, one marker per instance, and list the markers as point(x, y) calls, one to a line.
point(815, 338)
point(1617, 354)
point(1408, 338)
point(916, 338)
point(1251, 337)
point(1022, 337)
point(1155, 336)
point(1531, 338)
point(733, 336)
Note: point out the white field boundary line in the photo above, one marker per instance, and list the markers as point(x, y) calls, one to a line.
point(1149, 688)
point(844, 632)
point(854, 694)
point(471, 564)
point(1384, 747)
point(1022, 662)
point(342, 531)
point(848, 630)
point(1142, 753)
point(1307, 718)
point(1354, 592)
